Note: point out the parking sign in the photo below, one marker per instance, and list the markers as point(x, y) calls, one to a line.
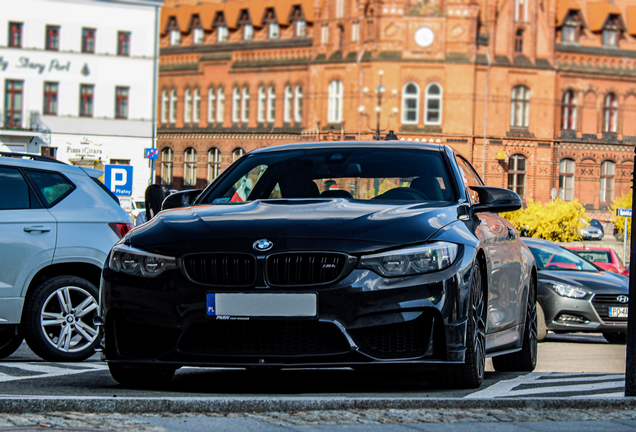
point(119, 179)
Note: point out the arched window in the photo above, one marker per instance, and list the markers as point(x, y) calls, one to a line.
point(236, 105)
point(608, 170)
point(569, 111)
point(287, 104)
point(165, 107)
point(271, 104)
point(519, 106)
point(190, 168)
point(298, 104)
point(566, 179)
point(187, 106)
point(433, 106)
point(519, 41)
point(610, 113)
point(214, 164)
point(220, 106)
point(237, 154)
point(334, 109)
point(173, 106)
point(261, 104)
point(245, 105)
point(196, 106)
point(166, 166)
point(410, 103)
point(211, 105)
point(517, 175)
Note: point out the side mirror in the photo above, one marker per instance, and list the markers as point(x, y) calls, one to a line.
point(496, 200)
point(180, 199)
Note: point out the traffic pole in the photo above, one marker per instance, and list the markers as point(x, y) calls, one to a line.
point(625, 242)
point(630, 363)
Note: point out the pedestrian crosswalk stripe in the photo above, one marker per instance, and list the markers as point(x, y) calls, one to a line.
point(554, 385)
point(38, 370)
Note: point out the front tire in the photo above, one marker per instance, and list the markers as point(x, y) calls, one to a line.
point(141, 376)
point(471, 373)
point(58, 319)
point(526, 359)
point(542, 331)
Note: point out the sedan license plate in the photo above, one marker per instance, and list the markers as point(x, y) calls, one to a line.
point(618, 312)
point(262, 305)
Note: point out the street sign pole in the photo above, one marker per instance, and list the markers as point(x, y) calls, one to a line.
point(630, 363)
point(625, 242)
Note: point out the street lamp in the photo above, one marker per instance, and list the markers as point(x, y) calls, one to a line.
point(379, 91)
point(378, 108)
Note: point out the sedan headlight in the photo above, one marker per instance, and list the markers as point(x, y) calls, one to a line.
point(137, 262)
point(566, 290)
point(417, 260)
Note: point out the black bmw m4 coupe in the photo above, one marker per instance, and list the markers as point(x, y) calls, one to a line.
point(368, 254)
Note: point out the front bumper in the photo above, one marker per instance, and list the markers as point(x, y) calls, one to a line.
point(363, 318)
point(592, 309)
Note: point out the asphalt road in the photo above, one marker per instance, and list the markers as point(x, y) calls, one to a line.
point(569, 365)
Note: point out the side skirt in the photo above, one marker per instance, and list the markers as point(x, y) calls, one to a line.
point(505, 341)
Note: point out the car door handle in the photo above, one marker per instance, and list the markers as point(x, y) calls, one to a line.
point(36, 229)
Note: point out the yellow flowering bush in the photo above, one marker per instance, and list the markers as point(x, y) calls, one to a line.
point(554, 221)
point(624, 201)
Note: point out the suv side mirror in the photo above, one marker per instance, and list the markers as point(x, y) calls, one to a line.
point(496, 200)
point(180, 199)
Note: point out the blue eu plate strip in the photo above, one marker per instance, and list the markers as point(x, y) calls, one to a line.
point(211, 304)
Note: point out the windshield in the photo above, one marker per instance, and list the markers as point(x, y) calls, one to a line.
point(364, 174)
point(594, 256)
point(553, 257)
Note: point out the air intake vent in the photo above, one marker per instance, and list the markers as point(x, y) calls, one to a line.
point(223, 269)
point(305, 268)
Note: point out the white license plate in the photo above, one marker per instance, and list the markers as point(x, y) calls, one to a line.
point(262, 304)
point(618, 312)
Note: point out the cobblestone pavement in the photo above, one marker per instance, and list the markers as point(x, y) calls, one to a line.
point(161, 423)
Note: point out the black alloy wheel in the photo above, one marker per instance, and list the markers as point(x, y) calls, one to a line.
point(471, 373)
point(141, 376)
point(526, 359)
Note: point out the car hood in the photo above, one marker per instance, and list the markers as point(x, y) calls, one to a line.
point(293, 224)
point(602, 282)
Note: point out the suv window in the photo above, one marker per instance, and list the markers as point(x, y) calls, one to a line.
point(15, 190)
point(469, 178)
point(51, 186)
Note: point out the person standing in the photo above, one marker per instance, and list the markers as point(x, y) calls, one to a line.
point(154, 198)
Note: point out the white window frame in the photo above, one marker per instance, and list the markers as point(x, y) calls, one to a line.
point(173, 106)
point(175, 37)
point(262, 97)
point(222, 34)
point(214, 164)
point(521, 10)
point(324, 35)
point(248, 32)
point(567, 171)
point(355, 31)
point(405, 98)
point(520, 102)
point(190, 167)
point(220, 106)
point(211, 105)
point(198, 36)
point(301, 28)
point(165, 107)
point(237, 153)
point(608, 181)
point(271, 104)
point(187, 106)
point(298, 104)
point(430, 97)
point(196, 106)
point(287, 104)
point(334, 107)
point(273, 30)
point(569, 109)
point(610, 120)
point(236, 104)
point(339, 8)
point(245, 104)
point(167, 158)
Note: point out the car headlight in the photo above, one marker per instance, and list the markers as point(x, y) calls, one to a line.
point(417, 260)
point(565, 290)
point(137, 262)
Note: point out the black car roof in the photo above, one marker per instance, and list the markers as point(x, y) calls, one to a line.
point(393, 144)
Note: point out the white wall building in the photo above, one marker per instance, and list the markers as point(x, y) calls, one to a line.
point(77, 81)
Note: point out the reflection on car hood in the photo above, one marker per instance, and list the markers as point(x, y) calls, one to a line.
point(600, 283)
point(336, 219)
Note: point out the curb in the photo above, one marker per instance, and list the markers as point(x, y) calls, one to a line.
point(254, 405)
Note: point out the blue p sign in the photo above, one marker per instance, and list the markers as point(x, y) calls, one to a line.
point(119, 179)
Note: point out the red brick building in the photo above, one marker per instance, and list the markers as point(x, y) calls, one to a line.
point(545, 89)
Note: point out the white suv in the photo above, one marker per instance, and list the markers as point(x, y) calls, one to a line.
point(57, 224)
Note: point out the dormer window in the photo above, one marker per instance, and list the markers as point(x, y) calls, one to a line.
point(611, 32)
point(248, 32)
point(273, 31)
point(175, 37)
point(197, 36)
point(570, 29)
point(297, 17)
point(301, 28)
point(220, 25)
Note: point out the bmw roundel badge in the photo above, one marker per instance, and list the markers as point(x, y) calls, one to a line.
point(263, 245)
